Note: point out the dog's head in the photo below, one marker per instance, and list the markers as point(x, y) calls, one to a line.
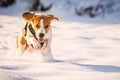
point(41, 24)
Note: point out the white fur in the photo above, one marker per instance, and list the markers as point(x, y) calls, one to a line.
point(31, 40)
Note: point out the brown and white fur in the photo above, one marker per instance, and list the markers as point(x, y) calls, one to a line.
point(42, 27)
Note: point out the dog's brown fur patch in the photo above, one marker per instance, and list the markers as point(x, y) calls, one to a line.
point(36, 21)
point(22, 40)
point(47, 21)
point(27, 16)
point(17, 42)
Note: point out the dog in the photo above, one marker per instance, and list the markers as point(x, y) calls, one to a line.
point(37, 33)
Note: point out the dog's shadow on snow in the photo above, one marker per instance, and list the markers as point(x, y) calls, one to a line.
point(21, 78)
point(12, 67)
point(56, 61)
point(99, 68)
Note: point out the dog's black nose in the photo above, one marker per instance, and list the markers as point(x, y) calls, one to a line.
point(41, 35)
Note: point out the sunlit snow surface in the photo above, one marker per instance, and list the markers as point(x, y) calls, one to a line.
point(83, 48)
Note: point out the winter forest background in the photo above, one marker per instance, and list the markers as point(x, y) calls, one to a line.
point(91, 8)
point(85, 44)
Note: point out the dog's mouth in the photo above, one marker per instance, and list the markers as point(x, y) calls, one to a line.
point(43, 42)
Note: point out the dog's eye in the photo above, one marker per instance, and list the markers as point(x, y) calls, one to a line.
point(46, 26)
point(37, 26)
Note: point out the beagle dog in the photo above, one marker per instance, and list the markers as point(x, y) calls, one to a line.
point(37, 33)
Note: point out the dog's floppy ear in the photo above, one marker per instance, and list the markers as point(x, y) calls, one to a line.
point(27, 16)
point(52, 17)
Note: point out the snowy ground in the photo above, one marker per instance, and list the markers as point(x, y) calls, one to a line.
point(83, 49)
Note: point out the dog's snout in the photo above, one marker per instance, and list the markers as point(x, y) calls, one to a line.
point(41, 35)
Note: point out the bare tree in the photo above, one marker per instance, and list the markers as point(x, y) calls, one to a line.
point(37, 5)
point(6, 3)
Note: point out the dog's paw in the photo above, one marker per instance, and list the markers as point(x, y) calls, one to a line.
point(33, 43)
point(36, 45)
point(47, 49)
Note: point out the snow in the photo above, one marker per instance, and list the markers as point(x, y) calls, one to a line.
point(83, 48)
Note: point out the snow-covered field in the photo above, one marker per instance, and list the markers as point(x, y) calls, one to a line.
point(83, 48)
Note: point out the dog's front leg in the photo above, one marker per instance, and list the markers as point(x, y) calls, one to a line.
point(47, 46)
point(31, 41)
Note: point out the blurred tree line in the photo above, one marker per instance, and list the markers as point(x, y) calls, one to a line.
point(84, 8)
point(94, 8)
point(6, 3)
point(36, 5)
